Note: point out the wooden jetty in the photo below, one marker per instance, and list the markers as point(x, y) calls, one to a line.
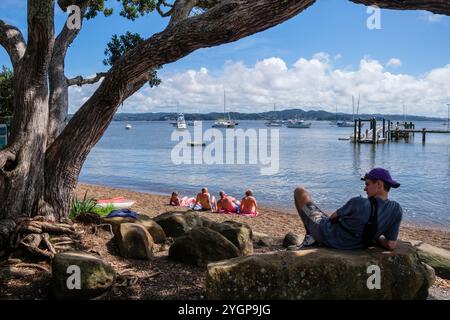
point(374, 134)
point(406, 133)
point(388, 131)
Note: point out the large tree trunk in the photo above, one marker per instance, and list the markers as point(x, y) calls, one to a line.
point(22, 163)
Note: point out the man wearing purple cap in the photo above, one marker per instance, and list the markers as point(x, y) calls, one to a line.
point(360, 223)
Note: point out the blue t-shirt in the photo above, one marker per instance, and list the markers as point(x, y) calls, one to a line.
point(354, 215)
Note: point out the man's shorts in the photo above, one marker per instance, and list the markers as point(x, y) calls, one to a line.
point(312, 217)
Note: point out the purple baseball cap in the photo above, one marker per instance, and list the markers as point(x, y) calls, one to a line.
point(381, 174)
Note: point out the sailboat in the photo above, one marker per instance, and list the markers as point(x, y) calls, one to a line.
point(334, 122)
point(347, 124)
point(273, 122)
point(298, 124)
point(181, 123)
point(224, 123)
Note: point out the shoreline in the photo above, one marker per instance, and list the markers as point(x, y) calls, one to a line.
point(271, 221)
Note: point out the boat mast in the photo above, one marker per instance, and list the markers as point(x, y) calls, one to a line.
point(336, 113)
point(224, 102)
point(357, 109)
point(353, 108)
point(404, 113)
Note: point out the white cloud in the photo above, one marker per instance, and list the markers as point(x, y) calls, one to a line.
point(394, 62)
point(309, 83)
point(431, 17)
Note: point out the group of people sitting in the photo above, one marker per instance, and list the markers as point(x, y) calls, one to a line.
point(204, 201)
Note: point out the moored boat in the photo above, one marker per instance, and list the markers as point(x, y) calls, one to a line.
point(298, 124)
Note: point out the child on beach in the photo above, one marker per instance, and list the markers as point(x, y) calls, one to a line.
point(174, 199)
point(177, 202)
point(249, 206)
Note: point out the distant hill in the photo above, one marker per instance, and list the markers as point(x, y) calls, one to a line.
point(281, 115)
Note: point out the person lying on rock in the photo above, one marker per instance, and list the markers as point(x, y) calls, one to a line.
point(360, 223)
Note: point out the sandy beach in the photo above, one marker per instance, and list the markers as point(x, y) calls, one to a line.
point(269, 221)
point(162, 278)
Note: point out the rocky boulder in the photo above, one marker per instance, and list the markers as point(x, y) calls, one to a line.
point(291, 239)
point(176, 223)
point(78, 275)
point(240, 234)
point(322, 273)
point(148, 223)
point(437, 258)
point(155, 230)
point(134, 241)
point(117, 221)
point(201, 246)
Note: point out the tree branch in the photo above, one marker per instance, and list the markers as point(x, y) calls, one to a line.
point(435, 6)
point(79, 81)
point(228, 21)
point(165, 4)
point(67, 36)
point(181, 10)
point(59, 97)
point(12, 40)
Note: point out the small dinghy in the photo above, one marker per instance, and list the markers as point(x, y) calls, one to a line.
point(117, 203)
point(196, 144)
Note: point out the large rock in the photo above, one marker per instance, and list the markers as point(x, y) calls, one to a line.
point(176, 223)
point(149, 224)
point(155, 230)
point(321, 274)
point(134, 241)
point(437, 258)
point(240, 234)
point(201, 246)
point(291, 239)
point(96, 276)
point(115, 222)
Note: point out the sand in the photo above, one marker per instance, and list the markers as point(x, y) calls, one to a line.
point(162, 278)
point(270, 221)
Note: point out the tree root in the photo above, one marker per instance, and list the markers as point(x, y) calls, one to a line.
point(32, 236)
point(31, 244)
point(32, 265)
point(103, 225)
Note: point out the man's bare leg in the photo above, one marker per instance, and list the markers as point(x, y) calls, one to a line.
point(302, 197)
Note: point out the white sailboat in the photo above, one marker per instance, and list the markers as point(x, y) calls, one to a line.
point(347, 124)
point(273, 122)
point(224, 122)
point(181, 123)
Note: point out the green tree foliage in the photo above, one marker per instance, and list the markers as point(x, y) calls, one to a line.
point(6, 92)
point(131, 9)
point(119, 45)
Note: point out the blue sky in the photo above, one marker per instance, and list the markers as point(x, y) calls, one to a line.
point(418, 41)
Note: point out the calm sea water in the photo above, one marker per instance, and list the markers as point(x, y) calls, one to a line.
point(140, 159)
